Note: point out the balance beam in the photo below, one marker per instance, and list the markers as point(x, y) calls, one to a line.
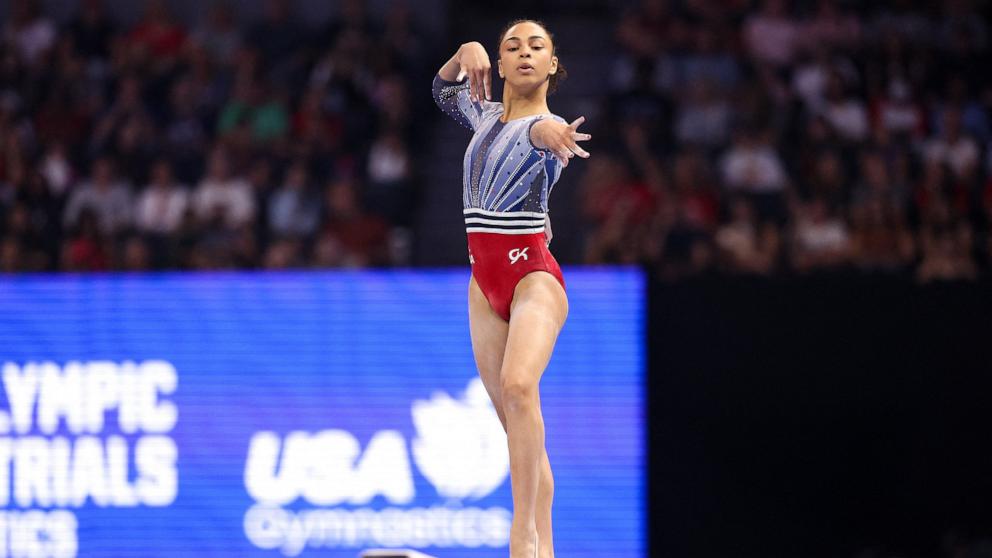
point(393, 553)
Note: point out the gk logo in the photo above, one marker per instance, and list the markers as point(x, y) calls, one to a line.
point(517, 253)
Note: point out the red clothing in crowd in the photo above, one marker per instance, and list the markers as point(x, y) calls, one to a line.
point(161, 40)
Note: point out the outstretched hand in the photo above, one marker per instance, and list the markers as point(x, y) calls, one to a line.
point(561, 138)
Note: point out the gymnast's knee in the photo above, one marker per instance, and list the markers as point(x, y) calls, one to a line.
point(518, 395)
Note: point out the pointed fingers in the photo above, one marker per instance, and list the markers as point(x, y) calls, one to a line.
point(578, 150)
point(476, 86)
point(480, 88)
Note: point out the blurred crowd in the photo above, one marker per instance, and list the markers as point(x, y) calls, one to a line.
point(783, 138)
point(745, 137)
point(159, 145)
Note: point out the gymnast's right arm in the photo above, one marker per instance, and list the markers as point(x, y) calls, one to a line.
point(462, 101)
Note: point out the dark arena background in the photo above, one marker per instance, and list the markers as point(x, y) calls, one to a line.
point(233, 278)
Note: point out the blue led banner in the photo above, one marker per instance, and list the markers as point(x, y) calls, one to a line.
point(300, 414)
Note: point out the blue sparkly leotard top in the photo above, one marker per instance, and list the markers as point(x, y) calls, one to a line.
point(506, 181)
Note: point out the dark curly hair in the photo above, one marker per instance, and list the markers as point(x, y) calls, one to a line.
point(553, 79)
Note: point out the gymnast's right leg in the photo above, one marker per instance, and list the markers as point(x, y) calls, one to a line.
point(489, 334)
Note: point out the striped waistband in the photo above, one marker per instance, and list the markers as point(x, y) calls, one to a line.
point(508, 222)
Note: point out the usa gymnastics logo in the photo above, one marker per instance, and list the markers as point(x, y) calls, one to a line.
point(459, 447)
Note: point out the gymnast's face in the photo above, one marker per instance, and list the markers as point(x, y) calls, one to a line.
point(525, 56)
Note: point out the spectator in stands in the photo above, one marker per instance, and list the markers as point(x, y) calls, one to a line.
point(135, 149)
point(218, 35)
point(186, 134)
point(106, 197)
point(694, 190)
point(41, 227)
point(946, 254)
point(686, 250)
point(820, 238)
point(773, 36)
point(390, 173)
point(710, 60)
point(744, 245)
point(91, 32)
point(354, 17)
point(86, 249)
point(832, 27)
point(160, 207)
point(157, 38)
point(18, 231)
point(284, 253)
point(881, 241)
point(975, 117)
point(313, 130)
point(728, 122)
point(10, 254)
point(703, 117)
point(28, 32)
point(829, 180)
point(57, 170)
point(846, 113)
point(389, 99)
point(278, 40)
point(621, 236)
point(644, 31)
point(876, 184)
point(898, 113)
point(239, 113)
point(136, 255)
point(293, 209)
point(128, 106)
point(952, 146)
point(362, 238)
point(752, 165)
point(223, 198)
point(403, 41)
point(903, 19)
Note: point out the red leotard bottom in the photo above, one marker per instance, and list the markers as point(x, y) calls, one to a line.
point(500, 261)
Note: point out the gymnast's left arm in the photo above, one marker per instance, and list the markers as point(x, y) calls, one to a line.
point(560, 138)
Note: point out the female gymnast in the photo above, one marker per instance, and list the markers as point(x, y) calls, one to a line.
point(517, 302)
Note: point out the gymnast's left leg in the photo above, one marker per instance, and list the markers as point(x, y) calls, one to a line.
point(489, 333)
point(537, 314)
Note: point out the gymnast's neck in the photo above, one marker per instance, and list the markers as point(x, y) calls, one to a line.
point(520, 104)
